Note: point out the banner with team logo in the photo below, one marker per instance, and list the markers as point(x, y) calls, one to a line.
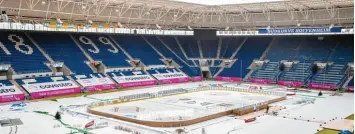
point(300, 30)
point(228, 79)
point(97, 84)
point(11, 94)
point(50, 89)
point(167, 78)
point(134, 81)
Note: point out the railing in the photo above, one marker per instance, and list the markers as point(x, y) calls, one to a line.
point(41, 27)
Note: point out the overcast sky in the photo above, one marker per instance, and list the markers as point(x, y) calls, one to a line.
point(220, 2)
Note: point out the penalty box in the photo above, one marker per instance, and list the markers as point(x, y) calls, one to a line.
point(184, 109)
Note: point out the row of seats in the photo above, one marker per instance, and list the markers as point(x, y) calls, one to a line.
point(313, 48)
point(60, 47)
point(21, 53)
point(283, 48)
point(209, 48)
point(299, 72)
point(268, 71)
point(102, 48)
point(41, 80)
point(252, 49)
point(333, 74)
point(5, 83)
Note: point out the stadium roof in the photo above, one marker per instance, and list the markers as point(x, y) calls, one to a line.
point(199, 13)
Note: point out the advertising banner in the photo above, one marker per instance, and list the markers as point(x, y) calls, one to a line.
point(197, 78)
point(290, 83)
point(134, 81)
point(97, 84)
point(10, 94)
point(300, 30)
point(322, 86)
point(227, 79)
point(50, 89)
point(260, 81)
point(168, 78)
point(174, 80)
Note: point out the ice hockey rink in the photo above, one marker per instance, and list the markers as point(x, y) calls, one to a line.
point(184, 106)
point(298, 106)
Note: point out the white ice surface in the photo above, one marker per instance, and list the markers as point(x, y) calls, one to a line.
point(325, 109)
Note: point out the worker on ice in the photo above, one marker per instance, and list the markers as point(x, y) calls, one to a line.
point(254, 107)
point(267, 109)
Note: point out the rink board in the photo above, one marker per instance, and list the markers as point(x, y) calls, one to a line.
point(182, 109)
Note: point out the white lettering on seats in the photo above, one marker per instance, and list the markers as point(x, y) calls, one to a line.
point(108, 42)
point(7, 52)
point(56, 85)
point(88, 41)
point(19, 43)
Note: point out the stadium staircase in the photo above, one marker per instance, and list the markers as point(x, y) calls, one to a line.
point(270, 44)
point(39, 48)
point(252, 49)
point(218, 52)
point(119, 46)
point(200, 49)
point(183, 51)
point(13, 82)
point(273, 41)
point(146, 54)
point(160, 44)
point(69, 53)
point(228, 50)
point(101, 48)
point(348, 82)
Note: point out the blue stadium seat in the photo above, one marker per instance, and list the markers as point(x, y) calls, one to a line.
point(269, 71)
point(334, 74)
point(108, 53)
point(138, 48)
point(61, 47)
point(344, 50)
point(5, 83)
point(25, 58)
point(209, 48)
point(313, 49)
point(299, 72)
point(230, 45)
point(252, 49)
point(283, 48)
point(190, 46)
point(168, 54)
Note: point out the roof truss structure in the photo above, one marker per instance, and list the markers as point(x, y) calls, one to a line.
point(173, 14)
